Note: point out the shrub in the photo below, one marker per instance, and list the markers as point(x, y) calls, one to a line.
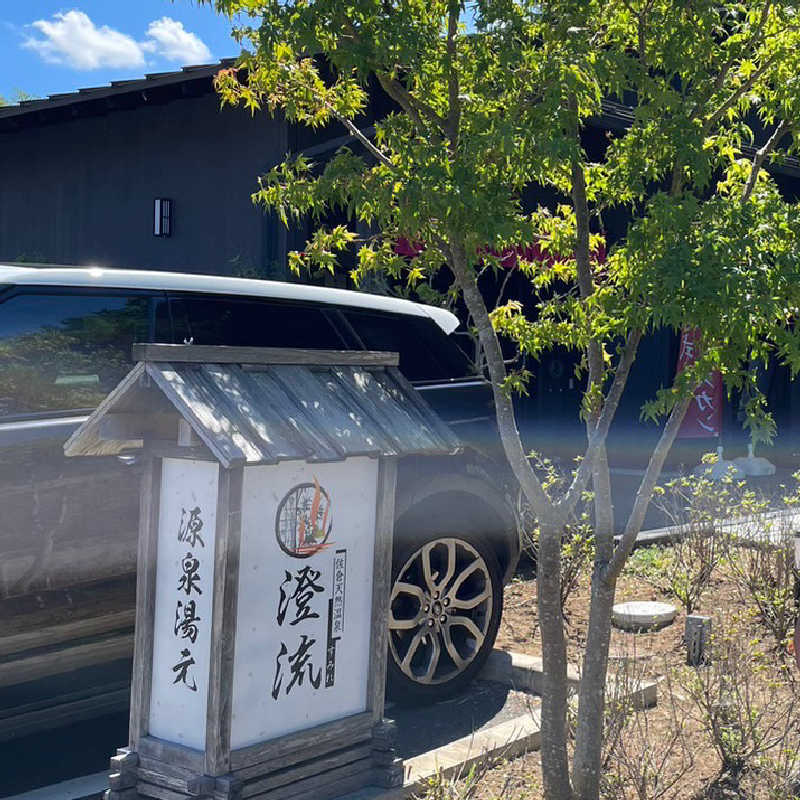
point(764, 573)
point(741, 700)
point(651, 564)
point(459, 785)
point(642, 759)
point(698, 506)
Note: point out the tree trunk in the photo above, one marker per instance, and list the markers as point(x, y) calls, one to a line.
point(555, 763)
point(608, 564)
point(504, 406)
point(591, 698)
point(603, 503)
point(591, 701)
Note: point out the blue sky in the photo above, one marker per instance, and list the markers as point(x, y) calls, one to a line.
point(47, 46)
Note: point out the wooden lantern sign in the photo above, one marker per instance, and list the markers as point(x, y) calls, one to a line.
point(264, 565)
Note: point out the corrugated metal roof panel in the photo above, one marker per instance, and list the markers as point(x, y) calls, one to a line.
point(248, 415)
point(116, 87)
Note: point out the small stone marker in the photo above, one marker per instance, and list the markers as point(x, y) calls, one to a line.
point(698, 639)
point(797, 557)
point(753, 465)
point(642, 615)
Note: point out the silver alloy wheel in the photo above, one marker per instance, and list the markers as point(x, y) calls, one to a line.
point(440, 610)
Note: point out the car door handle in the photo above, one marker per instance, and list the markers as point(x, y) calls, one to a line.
point(128, 460)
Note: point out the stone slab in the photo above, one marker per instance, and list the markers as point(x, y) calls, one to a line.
point(521, 671)
point(644, 615)
point(485, 705)
point(506, 740)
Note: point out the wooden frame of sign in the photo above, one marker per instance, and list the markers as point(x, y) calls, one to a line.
point(323, 761)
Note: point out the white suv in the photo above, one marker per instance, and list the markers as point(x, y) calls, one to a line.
point(68, 526)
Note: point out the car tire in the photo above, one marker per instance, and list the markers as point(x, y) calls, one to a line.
point(444, 611)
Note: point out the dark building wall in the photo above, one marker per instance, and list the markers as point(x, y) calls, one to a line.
point(82, 191)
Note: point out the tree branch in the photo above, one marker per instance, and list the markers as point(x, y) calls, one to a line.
point(737, 94)
point(761, 156)
point(356, 133)
point(454, 111)
point(641, 33)
point(542, 506)
point(754, 41)
point(414, 107)
point(762, 21)
point(604, 521)
point(677, 179)
point(645, 493)
point(352, 128)
point(570, 499)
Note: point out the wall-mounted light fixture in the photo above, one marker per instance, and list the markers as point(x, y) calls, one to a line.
point(162, 217)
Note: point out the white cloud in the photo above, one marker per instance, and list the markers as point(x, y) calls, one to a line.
point(72, 39)
point(172, 41)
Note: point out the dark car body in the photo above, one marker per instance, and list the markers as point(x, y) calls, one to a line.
point(68, 527)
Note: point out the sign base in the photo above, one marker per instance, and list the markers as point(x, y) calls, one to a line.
point(338, 768)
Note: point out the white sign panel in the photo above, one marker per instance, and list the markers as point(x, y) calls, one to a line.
point(184, 592)
point(305, 596)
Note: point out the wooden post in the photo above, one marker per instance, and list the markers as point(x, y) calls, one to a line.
point(697, 639)
point(223, 626)
point(388, 769)
point(381, 586)
point(149, 504)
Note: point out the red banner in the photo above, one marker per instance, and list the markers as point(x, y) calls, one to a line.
point(704, 417)
point(509, 258)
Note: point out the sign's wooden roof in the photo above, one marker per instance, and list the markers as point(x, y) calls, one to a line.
point(253, 406)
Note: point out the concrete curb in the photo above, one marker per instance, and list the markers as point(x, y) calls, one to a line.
point(521, 671)
point(509, 739)
point(506, 740)
point(672, 533)
point(525, 672)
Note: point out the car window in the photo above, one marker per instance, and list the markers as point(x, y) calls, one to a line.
point(244, 322)
point(63, 352)
point(426, 352)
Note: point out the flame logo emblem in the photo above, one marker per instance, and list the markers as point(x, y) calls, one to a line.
point(303, 522)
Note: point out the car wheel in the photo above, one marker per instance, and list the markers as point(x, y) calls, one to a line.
point(445, 608)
